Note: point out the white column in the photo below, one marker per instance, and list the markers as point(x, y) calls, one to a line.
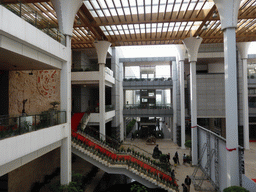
point(231, 107)
point(193, 102)
point(102, 102)
point(174, 104)
point(181, 57)
point(192, 44)
point(228, 11)
point(102, 49)
point(66, 11)
point(243, 49)
point(65, 100)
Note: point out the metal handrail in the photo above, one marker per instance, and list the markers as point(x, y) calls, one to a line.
point(131, 154)
point(11, 126)
point(95, 134)
point(36, 18)
point(140, 106)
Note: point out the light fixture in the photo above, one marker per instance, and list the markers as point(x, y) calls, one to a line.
point(31, 73)
point(78, 21)
point(214, 15)
point(197, 37)
point(89, 32)
point(205, 27)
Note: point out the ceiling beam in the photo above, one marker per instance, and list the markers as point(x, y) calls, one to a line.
point(202, 17)
point(206, 18)
point(89, 22)
point(21, 1)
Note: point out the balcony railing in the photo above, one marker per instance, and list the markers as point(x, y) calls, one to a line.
point(11, 126)
point(37, 19)
point(141, 106)
point(148, 79)
point(109, 108)
point(108, 71)
point(126, 158)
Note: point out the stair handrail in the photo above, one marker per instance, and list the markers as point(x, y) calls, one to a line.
point(124, 159)
point(119, 149)
point(97, 137)
point(84, 119)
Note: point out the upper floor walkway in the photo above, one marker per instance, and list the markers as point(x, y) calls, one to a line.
point(92, 77)
point(25, 138)
point(147, 83)
point(135, 110)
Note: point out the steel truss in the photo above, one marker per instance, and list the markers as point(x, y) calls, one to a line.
point(199, 178)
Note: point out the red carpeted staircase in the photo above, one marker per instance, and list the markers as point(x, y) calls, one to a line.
point(75, 120)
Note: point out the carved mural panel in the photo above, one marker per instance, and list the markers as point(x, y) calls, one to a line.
point(40, 89)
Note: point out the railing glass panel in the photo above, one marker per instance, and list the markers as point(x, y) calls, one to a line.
point(37, 19)
point(141, 106)
point(11, 126)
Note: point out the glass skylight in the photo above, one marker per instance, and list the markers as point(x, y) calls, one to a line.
point(149, 27)
point(132, 7)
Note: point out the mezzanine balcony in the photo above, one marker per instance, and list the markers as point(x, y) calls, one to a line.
point(88, 77)
point(12, 126)
point(147, 83)
point(138, 110)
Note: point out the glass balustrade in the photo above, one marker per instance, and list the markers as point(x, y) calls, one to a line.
point(11, 126)
point(36, 18)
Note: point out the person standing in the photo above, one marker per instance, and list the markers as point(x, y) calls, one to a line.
point(173, 175)
point(177, 157)
point(184, 159)
point(174, 160)
point(188, 182)
point(185, 189)
point(168, 158)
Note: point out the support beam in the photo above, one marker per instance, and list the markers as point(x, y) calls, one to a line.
point(228, 11)
point(102, 49)
point(192, 44)
point(181, 57)
point(65, 100)
point(243, 49)
point(174, 103)
point(66, 11)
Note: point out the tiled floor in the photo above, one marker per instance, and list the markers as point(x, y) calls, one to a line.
point(167, 146)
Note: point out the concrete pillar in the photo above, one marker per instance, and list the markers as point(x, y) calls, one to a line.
point(228, 11)
point(243, 49)
point(192, 44)
point(102, 49)
point(65, 100)
point(174, 104)
point(66, 11)
point(181, 57)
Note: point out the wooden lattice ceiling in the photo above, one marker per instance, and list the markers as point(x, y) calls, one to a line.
point(147, 22)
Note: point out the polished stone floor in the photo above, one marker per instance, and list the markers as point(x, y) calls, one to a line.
point(167, 146)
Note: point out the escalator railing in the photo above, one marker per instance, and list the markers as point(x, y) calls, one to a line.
point(127, 159)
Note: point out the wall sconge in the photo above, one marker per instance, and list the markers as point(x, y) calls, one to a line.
point(214, 14)
point(31, 73)
point(205, 27)
point(78, 22)
point(89, 32)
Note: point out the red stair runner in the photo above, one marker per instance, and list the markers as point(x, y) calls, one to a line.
point(76, 118)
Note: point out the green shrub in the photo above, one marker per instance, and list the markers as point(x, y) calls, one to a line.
point(130, 126)
point(235, 189)
point(163, 158)
point(188, 144)
point(138, 187)
point(159, 134)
